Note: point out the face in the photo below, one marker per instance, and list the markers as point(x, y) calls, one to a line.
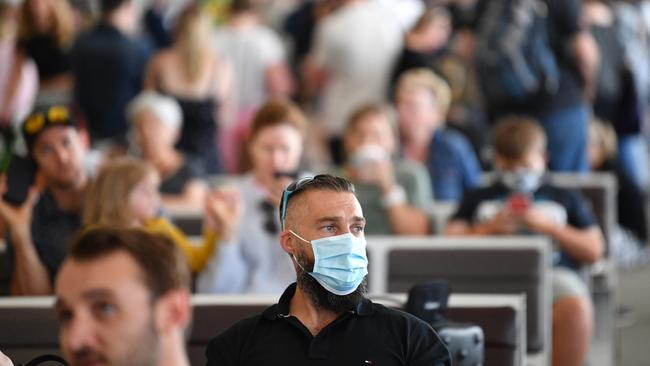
point(437, 33)
point(144, 199)
point(106, 320)
point(418, 113)
point(152, 136)
point(324, 213)
point(276, 149)
point(372, 129)
point(59, 153)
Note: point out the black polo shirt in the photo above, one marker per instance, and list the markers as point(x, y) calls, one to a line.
point(370, 335)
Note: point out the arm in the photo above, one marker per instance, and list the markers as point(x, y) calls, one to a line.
point(193, 195)
point(425, 347)
point(30, 277)
point(586, 54)
point(197, 255)
point(278, 80)
point(501, 224)
point(150, 75)
point(585, 245)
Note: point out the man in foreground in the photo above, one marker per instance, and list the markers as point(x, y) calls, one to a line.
point(324, 317)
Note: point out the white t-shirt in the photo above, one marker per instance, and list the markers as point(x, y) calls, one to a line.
point(251, 51)
point(357, 45)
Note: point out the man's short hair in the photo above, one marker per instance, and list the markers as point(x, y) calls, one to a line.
point(109, 6)
point(371, 109)
point(162, 264)
point(306, 184)
point(428, 80)
point(515, 136)
point(277, 112)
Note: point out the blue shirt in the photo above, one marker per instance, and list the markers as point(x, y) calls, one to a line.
point(453, 165)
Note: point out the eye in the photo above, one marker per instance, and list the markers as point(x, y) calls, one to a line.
point(103, 309)
point(64, 316)
point(358, 228)
point(328, 228)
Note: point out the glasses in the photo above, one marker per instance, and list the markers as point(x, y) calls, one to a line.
point(291, 189)
point(54, 115)
point(269, 219)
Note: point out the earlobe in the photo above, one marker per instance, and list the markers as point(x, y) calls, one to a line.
point(286, 242)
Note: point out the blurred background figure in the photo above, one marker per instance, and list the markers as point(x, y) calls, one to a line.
point(108, 66)
point(48, 31)
point(393, 192)
point(630, 236)
point(125, 194)
point(18, 72)
point(422, 100)
point(249, 258)
point(156, 123)
point(353, 52)
point(260, 72)
point(191, 72)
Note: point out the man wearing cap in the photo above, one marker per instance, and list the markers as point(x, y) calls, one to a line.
point(324, 318)
point(39, 228)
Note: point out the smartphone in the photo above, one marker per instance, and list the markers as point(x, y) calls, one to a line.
point(21, 174)
point(518, 203)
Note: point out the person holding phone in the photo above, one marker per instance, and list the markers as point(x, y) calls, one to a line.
point(522, 202)
point(393, 192)
point(248, 258)
point(39, 225)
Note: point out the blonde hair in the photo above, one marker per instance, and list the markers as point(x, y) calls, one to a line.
point(63, 21)
point(603, 135)
point(192, 32)
point(426, 79)
point(107, 198)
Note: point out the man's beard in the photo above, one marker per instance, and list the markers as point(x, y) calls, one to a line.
point(143, 350)
point(323, 299)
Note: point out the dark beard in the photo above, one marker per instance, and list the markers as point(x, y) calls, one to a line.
point(323, 299)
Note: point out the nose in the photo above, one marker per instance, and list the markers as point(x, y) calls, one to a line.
point(278, 158)
point(62, 154)
point(77, 334)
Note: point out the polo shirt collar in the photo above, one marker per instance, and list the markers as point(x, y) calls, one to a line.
point(281, 310)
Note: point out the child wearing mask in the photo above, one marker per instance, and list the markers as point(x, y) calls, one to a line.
point(522, 202)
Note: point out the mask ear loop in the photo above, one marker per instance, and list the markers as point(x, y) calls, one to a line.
point(293, 256)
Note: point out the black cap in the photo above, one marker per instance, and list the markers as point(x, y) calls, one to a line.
point(44, 118)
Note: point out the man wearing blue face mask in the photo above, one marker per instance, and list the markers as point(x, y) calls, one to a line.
point(521, 202)
point(324, 318)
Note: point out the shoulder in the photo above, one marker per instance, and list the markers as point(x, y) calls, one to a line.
point(228, 344)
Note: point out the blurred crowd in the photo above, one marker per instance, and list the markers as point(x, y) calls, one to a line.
point(136, 111)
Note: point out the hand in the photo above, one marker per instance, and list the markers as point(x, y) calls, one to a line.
point(4, 360)
point(536, 221)
point(379, 173)
point(504, 223)
point(223, 211)
point(18, 218)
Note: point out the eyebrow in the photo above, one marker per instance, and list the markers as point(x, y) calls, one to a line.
point(339, 218)
point(93, 294)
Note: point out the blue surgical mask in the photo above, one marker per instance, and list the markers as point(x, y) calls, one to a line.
point(340, 262)
point(523, 180)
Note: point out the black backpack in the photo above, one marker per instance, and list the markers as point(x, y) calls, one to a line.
point(514, 59)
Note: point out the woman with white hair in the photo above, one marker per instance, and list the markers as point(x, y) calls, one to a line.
point(156, 124)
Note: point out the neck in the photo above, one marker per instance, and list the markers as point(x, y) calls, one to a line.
point(120, 20)
point(172, 351)
point(311, 316)
point(165, 162)
point(70, 199)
